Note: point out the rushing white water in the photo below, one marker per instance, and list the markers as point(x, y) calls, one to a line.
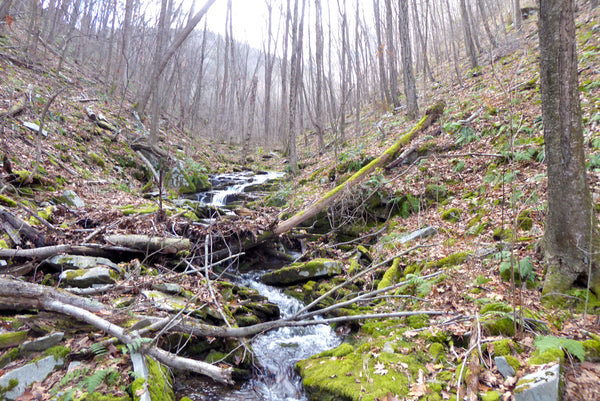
point(278, 351)
point(230, 184)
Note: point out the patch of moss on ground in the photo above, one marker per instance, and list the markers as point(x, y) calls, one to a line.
point(551, 355)
point(451, 215)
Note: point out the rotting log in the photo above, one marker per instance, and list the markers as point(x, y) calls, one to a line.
point(149, 244)
point(109, 252)
point(430, 117)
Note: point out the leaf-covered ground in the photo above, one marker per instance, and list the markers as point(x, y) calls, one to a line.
point(477, 176)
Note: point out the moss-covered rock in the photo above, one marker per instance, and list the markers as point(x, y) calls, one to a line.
point(390, 276)
point(304, 271)
point(452, 215)
point(12, 338)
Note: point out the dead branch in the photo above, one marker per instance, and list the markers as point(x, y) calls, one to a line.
point(48, 251)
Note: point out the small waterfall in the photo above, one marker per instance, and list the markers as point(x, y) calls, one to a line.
point(226, 186)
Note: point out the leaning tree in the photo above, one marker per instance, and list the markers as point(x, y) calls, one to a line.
point(571, 242)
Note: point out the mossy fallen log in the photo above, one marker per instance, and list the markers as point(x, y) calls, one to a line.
point(386, 157)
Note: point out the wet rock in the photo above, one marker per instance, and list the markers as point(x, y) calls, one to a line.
point(419, 234)
point(539, 386)
point(28, 374)
point(72, 199)
point(74, 262)
point(301, 272)
point(43, 343)
point(84, 278)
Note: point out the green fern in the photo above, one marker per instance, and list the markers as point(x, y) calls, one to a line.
point(575, 348)
point(137, 344)
point(92, 382)
point(99, 349)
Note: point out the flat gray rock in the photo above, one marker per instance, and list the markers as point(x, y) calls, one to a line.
point(539, 386)
point(74, 262)
point(43, 343)
point(419, 234)
point(72, 199)
point(84, 278)
point(34, 127)
point(28, 374)
point(503, 367)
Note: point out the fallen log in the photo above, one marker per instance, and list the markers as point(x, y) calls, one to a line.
point(150, 244)
point(430, 117)
point(44, 252)
point(18, 295)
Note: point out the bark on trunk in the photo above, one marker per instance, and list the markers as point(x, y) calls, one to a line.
point(571, 240)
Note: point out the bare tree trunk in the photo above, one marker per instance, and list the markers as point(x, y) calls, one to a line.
point(320, 74)
point(571, 241)
point(453, 45)
point(394, 93)
point(381, 51)
point(410, 88)
point(295, 78)
point(155, 77)
point(486, 25)
point(470, 45)
point(269, 63)
point(517, 17)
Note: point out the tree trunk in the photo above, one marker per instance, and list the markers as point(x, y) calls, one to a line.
point(431, 116)
point(410, 87)
point(381, 51)
point(517, 17)
point(391, 52)
point(470, 45)
point(571, 242)
point(486, 25)
point(319, 85)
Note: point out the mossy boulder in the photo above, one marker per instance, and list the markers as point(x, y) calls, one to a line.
point(451, 215)
point(302, 272)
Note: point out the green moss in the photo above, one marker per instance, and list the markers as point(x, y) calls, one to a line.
point(58, 351)
point(502, 234)
point(417, 321)
point(495, 307)
point(390, 276)
point(6, 201)
point(11, 339)
point(97, 159)
point(592, 350)
point(503, 347)
point(436, 351)
point(524, 220)
point(454, 259)
point(159, 381)
point(513, 362)
point(145, 209)
point(12, 383)
point(550, 355)
point(451, 215)
point(490, 396)
point(340, 351)
point(9, 357)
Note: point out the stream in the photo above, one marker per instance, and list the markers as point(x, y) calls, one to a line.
point(277, 351)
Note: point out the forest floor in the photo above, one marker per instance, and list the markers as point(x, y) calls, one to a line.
point(477, 176)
